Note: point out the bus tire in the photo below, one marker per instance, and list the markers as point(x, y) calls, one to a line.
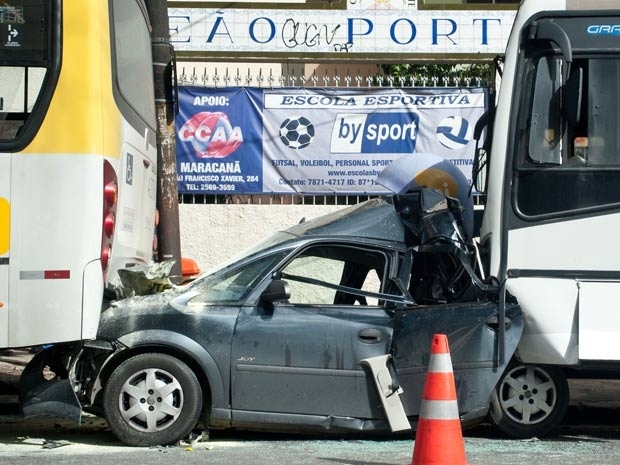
point(529, 400)
point(152, 399)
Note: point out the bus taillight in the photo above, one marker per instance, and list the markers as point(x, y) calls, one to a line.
point(105, 257)
point(110, 193)
point(108, 224)
point(110, 198)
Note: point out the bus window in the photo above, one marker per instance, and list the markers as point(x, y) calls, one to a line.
point(569, 165)
point(132, 65)
point(21, 87)
point(25, 60)
point(601, 144)
point(545, 130)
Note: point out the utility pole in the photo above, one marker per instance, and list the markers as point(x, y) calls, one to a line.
point(168, 233)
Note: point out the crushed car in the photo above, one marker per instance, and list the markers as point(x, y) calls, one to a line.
point(324, 327)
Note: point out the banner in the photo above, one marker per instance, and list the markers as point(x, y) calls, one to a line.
point(316, 140)
point(340, 33)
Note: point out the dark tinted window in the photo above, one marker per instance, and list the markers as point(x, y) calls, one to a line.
point(133, 68)
point(25, 61)
point(568, 157)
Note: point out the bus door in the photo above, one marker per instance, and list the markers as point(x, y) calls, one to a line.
point(5, 217)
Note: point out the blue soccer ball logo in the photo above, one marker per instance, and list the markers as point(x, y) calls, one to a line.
point(296, 132)
point(454, 132)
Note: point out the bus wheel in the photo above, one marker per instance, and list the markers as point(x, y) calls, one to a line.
point(152, 399)
point(529, 400)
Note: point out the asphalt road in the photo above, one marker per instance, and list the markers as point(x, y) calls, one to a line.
point(590, 435)
point(57, 443)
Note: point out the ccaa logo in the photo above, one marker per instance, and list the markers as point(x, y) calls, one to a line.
point(454, 132)
point(296, 132)
point(211, 134)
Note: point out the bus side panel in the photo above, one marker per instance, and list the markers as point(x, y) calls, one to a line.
point(550, 312)
point(55, 235)
point(137, 177)
point(599, 322)
point(565, 314)
point(5, 211)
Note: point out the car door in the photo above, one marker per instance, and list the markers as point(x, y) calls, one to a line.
point(472, 332)
point(438, 273)
point(302, 357)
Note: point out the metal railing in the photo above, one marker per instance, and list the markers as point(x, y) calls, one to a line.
point(226, 77)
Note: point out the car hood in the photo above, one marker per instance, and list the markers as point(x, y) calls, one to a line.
point(136, 312)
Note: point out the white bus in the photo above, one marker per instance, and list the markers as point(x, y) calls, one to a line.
point(550, 227)
point(77, 162)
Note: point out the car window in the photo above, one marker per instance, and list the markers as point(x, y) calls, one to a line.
point(330, 275)
point(235, 283)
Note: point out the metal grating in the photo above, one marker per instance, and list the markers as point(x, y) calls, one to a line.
point(226, 77)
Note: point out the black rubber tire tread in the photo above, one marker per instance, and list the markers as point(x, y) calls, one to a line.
point(501, 420)
point(179, 429)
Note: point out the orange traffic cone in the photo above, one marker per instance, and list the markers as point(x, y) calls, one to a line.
point(439, 439)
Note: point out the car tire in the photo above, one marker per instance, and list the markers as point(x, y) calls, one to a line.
point(152, 399)
point(529, 400)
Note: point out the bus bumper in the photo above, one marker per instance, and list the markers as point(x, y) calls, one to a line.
point(55, 396)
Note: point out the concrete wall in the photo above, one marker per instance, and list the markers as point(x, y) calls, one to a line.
point(211, 234)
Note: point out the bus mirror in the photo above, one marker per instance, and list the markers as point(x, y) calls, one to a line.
point(481, 124)
point(551, 31)
point(479, 172)
point(480, 153)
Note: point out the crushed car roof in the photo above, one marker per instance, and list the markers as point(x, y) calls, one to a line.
point(417, 217)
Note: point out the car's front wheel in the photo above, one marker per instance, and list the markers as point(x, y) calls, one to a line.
point(529, 400)
point(152, 399)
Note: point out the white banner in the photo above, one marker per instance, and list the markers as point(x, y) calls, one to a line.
point(348, 32)
point(322, 140)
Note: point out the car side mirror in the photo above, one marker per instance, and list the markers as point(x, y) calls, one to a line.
point(278, 289)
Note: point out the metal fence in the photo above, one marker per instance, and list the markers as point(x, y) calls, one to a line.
point(266, 78)
point(225, 77)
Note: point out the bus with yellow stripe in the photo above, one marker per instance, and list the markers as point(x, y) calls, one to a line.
point(77, 162)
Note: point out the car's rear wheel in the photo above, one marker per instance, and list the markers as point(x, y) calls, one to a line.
point(529, 400)
point(152, 399)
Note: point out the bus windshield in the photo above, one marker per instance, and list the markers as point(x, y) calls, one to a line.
point(568, 148)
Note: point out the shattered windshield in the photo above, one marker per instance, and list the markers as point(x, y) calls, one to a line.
point(235, 281)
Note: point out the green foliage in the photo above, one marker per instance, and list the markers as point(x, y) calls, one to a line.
point(425, 74)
